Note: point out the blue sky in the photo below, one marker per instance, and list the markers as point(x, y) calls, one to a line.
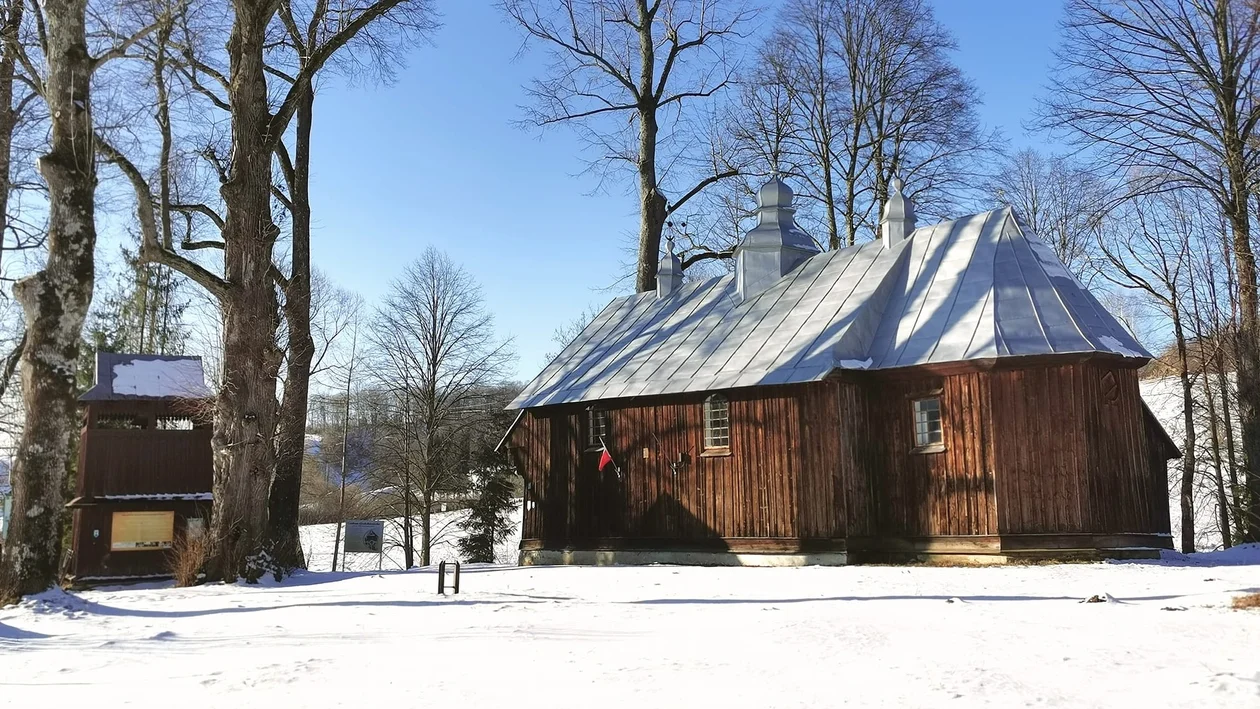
point(435, 159)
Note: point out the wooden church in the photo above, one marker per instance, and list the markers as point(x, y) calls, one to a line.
point(946, 391)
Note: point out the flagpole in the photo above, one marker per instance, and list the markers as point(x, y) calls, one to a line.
point(604, 445)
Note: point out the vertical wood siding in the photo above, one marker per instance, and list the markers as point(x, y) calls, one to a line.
point(138, 462)
point(946, 492)
point(1047, 449)
point(1072, 452)
point(781, 478)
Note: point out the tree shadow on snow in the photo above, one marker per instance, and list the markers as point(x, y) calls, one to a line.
point(8, 632)
point(963, 598)
point(92, 607)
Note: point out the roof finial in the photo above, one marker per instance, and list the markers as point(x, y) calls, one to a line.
point(897, 220)
point(669, 274)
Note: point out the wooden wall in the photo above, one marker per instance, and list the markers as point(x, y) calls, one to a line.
point(139, 462)
point(143, 460)
point(779, 481)
point(946, 492)
point(1046, 449)
point(1072, 453)
point(92, 525)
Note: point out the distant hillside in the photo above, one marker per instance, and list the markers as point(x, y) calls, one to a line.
point(1166, 364)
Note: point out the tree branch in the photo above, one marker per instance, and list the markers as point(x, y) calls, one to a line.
point(200, 209)
point(705, 256)
point(151, 249)
point(700, 187)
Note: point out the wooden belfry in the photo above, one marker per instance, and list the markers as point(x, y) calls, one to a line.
point(145, 466)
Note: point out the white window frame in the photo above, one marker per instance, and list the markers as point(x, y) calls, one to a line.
point(713, 439)
point(598, 423)
point(928, 439)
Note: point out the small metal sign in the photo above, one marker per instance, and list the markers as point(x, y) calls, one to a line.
point(364, 536)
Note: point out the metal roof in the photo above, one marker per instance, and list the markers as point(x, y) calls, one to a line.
point(163, 377)
point(978, 287)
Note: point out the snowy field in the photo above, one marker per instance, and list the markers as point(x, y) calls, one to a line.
point(655, 637)
point(318, 541)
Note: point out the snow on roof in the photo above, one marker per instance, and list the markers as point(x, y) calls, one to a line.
point(129, 376)
point(978, 287)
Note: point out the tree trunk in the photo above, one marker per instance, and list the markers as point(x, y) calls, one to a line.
point(409, 536)
point(245, 412)
point(11, 24)
point(282, 512)
point(653, 208)
point(1188, 448)
point(55, 302)
point(426, 527)
point(1248, 376)
point(1227, 421)
point(1236, 210)
point(1222, 500)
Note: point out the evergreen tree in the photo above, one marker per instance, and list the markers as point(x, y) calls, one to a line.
point(489, 520)
point(142, 312)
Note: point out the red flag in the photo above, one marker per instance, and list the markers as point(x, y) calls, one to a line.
point(604, 459)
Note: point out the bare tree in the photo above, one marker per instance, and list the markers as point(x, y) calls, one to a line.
point(345, 435)
point(1147, 244)
point(873, 94)
point(817, 54)
point(1062, 202)
point(55, 300)
point(247, 232)
point(625, 72)
point(1167, 87)
point(435, 351)
point(17, 103)
point(308, 27)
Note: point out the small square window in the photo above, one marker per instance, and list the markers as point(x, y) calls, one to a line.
point(598, 428)
point(927, 422)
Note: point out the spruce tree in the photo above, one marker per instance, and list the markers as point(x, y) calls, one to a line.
point(489, 521)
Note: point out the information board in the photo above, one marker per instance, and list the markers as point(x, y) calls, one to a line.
point(364, 536)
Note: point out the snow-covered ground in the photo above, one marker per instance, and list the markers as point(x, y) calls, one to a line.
point(655, 636)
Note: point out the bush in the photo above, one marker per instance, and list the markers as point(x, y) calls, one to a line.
point(1250, 601)
point(187, 557)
